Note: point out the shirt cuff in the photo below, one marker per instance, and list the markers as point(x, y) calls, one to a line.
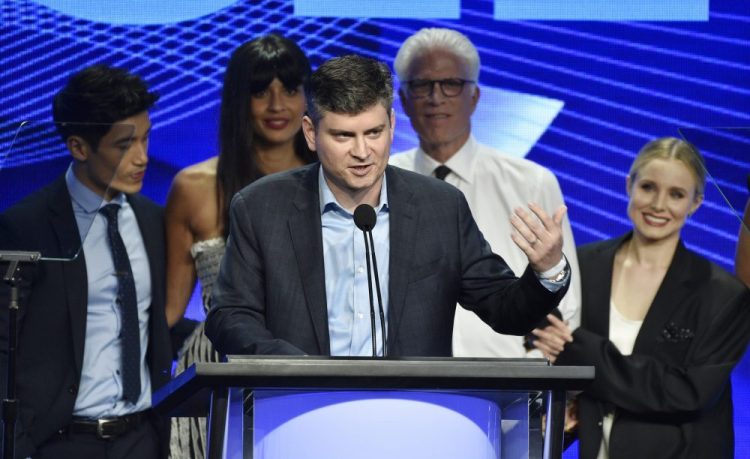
point(546, 277)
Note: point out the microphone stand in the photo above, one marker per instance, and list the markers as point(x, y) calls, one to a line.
point(365, 219)
point(369, 291)
point(10, 403)
point(380, 299)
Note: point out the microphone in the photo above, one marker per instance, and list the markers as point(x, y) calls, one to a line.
point(365, 219)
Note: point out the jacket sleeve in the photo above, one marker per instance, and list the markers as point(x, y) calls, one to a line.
point(508, 304)
point(236, 322)
point(647, 384)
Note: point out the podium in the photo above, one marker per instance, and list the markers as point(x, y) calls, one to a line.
point(266, 407)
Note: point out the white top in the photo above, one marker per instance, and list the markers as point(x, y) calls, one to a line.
point(622, 333)
point(494, 184)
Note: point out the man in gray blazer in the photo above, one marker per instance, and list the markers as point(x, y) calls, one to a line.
point(293, 280)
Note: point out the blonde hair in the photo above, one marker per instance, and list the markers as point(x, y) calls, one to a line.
point(672, 148)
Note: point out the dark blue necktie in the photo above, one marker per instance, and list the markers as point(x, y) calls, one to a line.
point(128, 303)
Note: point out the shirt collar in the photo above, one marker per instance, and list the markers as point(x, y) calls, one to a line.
point(84, 198)
point(328, 200)
point(462, 163)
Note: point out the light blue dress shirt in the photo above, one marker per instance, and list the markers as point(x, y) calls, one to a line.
point(100, 389)
point(349, 325)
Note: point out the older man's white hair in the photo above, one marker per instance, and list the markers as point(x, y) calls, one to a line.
point(428, 39)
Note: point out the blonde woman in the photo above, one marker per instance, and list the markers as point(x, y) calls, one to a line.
point(662, 325)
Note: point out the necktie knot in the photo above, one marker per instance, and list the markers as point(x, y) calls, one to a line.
point(110, 212)
point(442, 171)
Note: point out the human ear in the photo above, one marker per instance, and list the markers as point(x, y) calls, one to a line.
point(79, 149)
point(628, 182)
point(308, 129)
point(475, 97)
point(697, 201)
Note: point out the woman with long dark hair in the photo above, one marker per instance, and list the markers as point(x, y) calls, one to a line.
point(260, 133)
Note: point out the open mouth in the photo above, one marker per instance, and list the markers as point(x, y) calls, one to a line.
point(653, 220)
point(361, 171)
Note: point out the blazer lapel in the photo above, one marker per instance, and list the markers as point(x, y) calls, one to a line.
point(152, 235)
point(599, 284)
point(65, 228)
point(306, 234)
point(402, 234)
point(671, 294)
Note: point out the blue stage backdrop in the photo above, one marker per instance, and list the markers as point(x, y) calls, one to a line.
point(577, 86)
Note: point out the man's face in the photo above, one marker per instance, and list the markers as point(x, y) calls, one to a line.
point(119, 162)
point(353, 151)
point(442, 123)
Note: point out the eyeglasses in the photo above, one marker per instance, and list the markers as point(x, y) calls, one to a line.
point(450, 87)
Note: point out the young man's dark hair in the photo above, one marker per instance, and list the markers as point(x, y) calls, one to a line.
point(85, 389)
point(349, 84)
point(95, 98)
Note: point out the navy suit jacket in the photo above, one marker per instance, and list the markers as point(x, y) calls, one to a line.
point(672, 396)
point(52, 315)
point(270, 295)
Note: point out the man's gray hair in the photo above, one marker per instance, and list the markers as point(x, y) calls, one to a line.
point(428, 39)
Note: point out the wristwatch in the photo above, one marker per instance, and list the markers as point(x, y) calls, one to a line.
point(559, 277)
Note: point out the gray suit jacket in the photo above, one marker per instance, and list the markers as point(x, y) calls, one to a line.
point(270, 295)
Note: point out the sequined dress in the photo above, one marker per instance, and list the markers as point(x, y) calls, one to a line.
point(188, 435)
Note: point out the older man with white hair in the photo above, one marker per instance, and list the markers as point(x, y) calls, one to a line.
point(438, 71)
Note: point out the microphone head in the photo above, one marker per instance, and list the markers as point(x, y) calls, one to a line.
point(365, 217)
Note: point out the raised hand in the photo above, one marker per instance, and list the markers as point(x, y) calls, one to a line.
point(539, 235)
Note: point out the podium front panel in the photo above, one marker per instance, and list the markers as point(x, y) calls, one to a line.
point(324, 424)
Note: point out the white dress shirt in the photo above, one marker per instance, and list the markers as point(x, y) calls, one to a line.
point(494, 184)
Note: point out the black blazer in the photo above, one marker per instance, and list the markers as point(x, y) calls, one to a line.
point(270, 295)
point(52, 315)
point(672, 397)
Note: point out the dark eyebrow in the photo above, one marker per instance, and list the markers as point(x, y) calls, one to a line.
point(128, 139)
point(375, 129)
point(340, 132)
point(124, 140)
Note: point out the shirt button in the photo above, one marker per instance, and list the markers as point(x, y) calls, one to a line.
point(72, 389)
point(360, 315)
point(360, 269)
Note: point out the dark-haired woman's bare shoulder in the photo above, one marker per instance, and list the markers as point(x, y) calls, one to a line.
point(197, 179)
point(192, 198)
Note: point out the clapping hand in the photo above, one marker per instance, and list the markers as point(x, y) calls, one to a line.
point(552, 338)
